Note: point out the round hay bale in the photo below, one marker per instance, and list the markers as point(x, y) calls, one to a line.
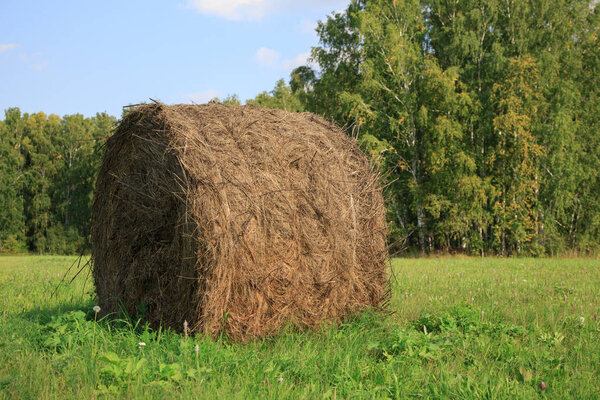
point(236, 219)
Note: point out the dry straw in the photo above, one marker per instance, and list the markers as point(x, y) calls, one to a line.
point(238, 219)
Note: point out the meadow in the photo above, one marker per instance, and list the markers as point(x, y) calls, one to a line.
point(460, 328)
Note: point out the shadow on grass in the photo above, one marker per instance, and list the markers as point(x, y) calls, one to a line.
point(44, 315)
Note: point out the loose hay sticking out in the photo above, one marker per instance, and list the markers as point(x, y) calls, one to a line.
point(236, 219)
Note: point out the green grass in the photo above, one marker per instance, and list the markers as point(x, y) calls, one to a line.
point(462, 328)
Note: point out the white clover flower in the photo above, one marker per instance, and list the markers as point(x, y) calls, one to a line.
point(581, 320)
point(141, 345)
point(280, 379)
point(96, 309)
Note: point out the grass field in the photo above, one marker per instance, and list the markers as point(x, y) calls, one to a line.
point(462, 328)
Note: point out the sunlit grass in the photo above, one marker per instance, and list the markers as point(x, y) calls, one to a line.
point(460, 328)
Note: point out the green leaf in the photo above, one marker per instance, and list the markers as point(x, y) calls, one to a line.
point(110, 357)
point(133, 367)
point(171, 372)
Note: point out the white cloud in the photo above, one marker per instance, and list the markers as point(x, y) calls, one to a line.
point(256, 9)
point(271, 58)
point(231, 9)
point(7, 46)
point(200, 97)
point(267, 57)
point(34, 60)
point(300, 59)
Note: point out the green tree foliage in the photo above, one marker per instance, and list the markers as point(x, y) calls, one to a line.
point(232, 100)
point(339, 58)
point(481, 114)
point(12, 221)
point(47, 172)
point(280, 97)
point(514, 157)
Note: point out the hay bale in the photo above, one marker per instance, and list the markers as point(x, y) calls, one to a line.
point(236, 219)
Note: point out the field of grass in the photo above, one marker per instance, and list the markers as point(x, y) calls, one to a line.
point(462, 328)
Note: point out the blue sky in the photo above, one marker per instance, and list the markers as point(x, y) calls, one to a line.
point(80, 56)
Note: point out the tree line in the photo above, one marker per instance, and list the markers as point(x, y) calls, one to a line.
point(482, 116)
point(48, 167)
